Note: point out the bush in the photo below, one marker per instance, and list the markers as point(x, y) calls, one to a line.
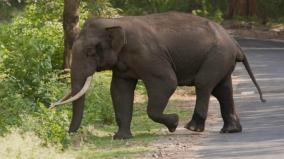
point(211, 9)
point(137, 7)
point(98, 102)
point(31, 54)
point(270, 10)
point(101, 8)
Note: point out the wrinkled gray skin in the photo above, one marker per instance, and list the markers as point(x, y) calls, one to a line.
point(164, 51)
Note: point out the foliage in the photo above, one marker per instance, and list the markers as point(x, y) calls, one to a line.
point(101, 8)
point(99, 105)
point(271, 10)
point(31, 51)
point(30, 55)
point(211, 9)
point(31, 83)
point(136, 7)
point(9, 8)
point(166, 5)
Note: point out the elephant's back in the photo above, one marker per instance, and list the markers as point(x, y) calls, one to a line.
point(188, 40)
point(186, 37)
point(172, 21)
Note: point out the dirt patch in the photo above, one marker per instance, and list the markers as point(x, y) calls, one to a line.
point(252, 30)
point(178, 145)
point(182, 143)
point(258, 34)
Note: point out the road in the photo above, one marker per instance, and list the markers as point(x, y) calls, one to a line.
point(263, 123)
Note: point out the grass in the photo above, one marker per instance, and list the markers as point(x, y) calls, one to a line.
point(27, 146)
point(94, 140)
point(99, 143)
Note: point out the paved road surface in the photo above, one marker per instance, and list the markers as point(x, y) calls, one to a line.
point(263, 123)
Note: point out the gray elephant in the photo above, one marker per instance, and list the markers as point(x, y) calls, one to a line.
point(164, 51)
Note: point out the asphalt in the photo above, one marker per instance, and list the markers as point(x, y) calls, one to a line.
point(263, 123)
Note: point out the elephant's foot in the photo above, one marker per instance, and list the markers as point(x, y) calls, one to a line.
point(232, 127)
point(194, 125)
point(172, 123)
point(122, 135)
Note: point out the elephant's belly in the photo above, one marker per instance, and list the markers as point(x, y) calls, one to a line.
point(186, 70)
point(187, 62)
point(189, 81)
point(128, 73)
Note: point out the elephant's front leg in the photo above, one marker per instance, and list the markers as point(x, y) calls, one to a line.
point(159, 92)
point(122, 93)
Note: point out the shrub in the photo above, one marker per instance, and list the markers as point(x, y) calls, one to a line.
point(31, 54)
point(98, 102)
point(137, 7)
point(270, 10)
point(211, 9)
point(101, 8)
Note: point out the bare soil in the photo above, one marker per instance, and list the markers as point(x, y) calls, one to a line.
point(182, 143)
point(252, 30)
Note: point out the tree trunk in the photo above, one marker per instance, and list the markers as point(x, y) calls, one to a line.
point(251, 8)
point(71, 28)
point(241, 8)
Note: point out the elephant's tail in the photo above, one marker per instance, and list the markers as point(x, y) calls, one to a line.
point(248, 68)
point(241, 57)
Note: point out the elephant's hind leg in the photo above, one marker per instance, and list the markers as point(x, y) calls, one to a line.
point(197, 122)
point(224, 94)
point(159, 92)
point(206, 79)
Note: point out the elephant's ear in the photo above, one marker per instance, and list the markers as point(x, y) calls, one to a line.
point(118, 38)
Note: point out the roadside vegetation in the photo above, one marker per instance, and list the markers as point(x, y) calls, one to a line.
point(31, 77)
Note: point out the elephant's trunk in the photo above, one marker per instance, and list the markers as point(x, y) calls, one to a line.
point(77, 96)
point(78, 110)
point(79, 88)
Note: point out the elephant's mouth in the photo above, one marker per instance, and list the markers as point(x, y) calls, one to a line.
point(103, 68)
point(99, 68)
point(69, 98)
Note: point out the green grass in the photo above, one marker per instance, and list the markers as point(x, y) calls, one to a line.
point(98, 143)
point(94, 139)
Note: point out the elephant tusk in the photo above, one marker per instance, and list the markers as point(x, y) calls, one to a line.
point(65, 97)
point(75, 97)
point(61, 100)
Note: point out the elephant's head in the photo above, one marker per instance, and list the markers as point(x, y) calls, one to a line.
point(95, 49)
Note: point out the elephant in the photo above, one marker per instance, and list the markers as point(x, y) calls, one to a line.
point(164, 50)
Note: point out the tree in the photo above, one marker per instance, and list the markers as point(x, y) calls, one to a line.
point(241, 8)
point(71, 28)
